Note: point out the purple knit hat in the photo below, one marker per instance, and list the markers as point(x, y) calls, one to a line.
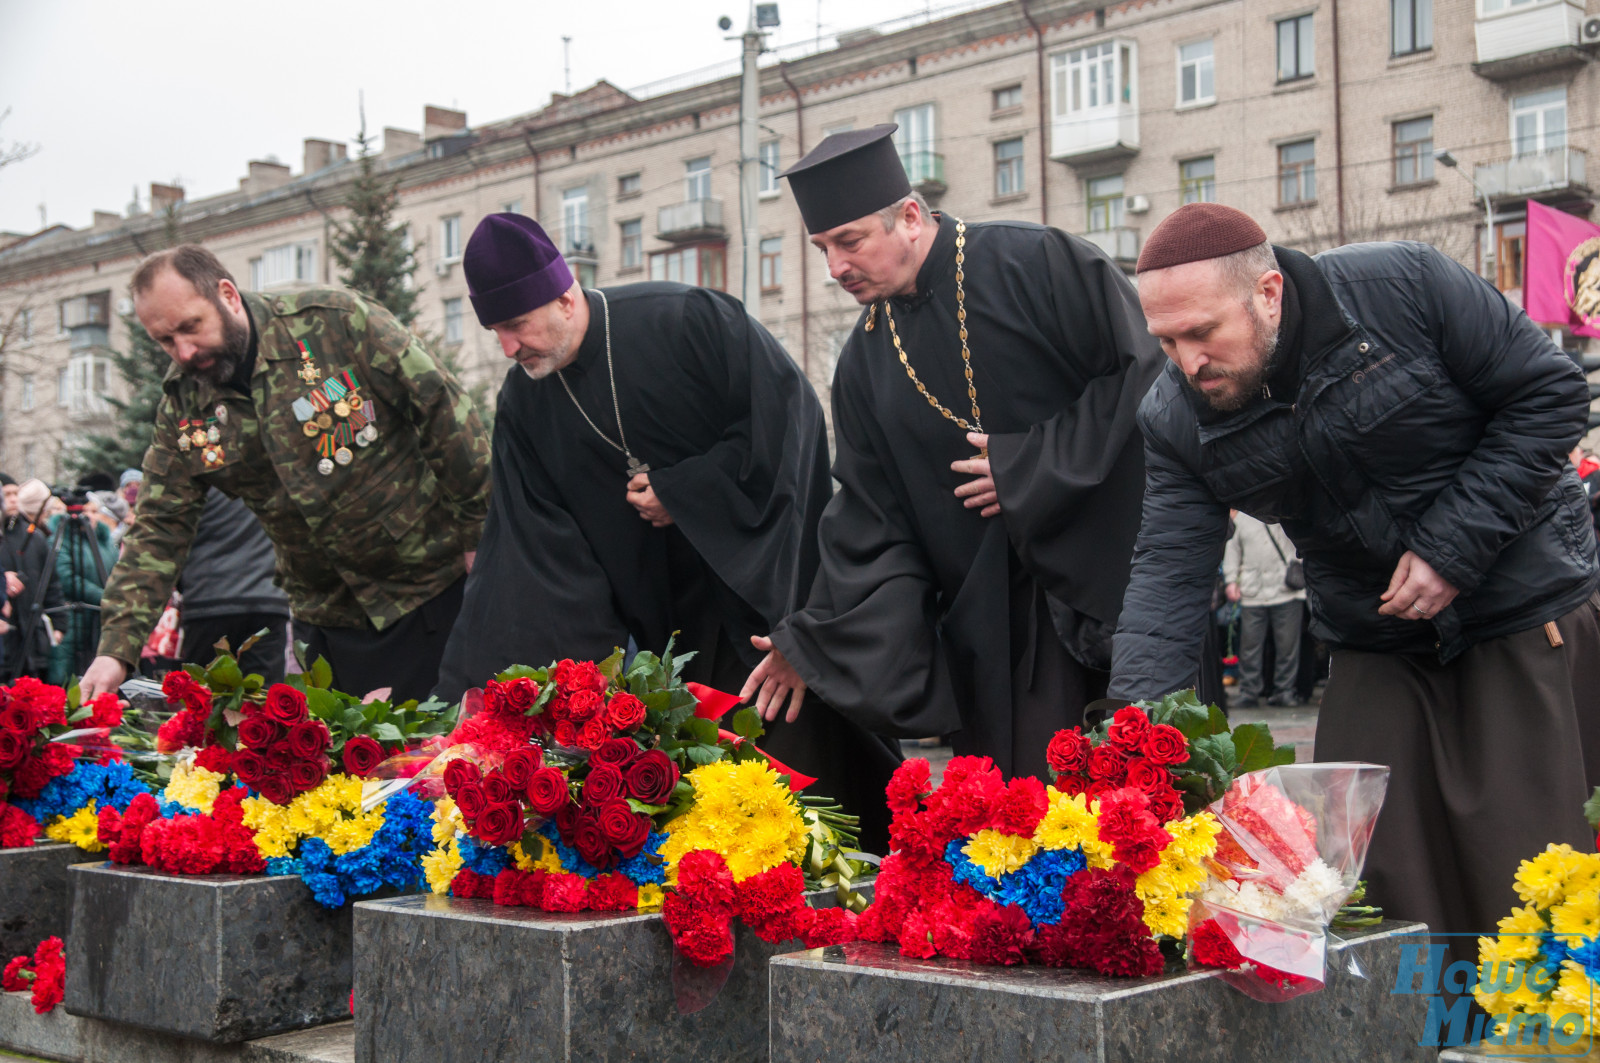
point(512, 267)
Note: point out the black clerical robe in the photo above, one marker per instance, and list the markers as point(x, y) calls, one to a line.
point(734, 437)
point(927, 618)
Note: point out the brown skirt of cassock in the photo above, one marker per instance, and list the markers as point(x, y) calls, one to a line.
point(1491, 758)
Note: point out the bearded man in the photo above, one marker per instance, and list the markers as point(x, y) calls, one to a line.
point(660, 464)
point(990, 471)
point(361, 455)
point(1408, 428)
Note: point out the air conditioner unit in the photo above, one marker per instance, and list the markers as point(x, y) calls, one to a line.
point(1589, 32)
point(441, 269)
point(1136, 204)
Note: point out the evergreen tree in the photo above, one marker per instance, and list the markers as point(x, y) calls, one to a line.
point(370, 248)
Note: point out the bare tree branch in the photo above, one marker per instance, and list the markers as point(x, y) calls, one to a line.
point(16, 150)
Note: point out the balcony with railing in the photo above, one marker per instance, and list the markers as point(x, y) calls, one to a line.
point(1527, 37)
point(694, 219)
point(1556, 173)
point(1120, 243)
point(925, 169)
point(577, 244)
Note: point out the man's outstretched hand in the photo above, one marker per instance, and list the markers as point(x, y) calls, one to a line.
point(774, 681)
point(104, 675)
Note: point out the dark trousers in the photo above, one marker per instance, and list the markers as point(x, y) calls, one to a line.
point(1491, 758)
point(198, 637)
point(403, 656)
point(1282, 623)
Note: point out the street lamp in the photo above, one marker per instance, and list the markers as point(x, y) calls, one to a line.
point(1444, 158)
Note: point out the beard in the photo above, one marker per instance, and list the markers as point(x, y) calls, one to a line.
point(1242, 383)
point(538, 366)
point(227, 357)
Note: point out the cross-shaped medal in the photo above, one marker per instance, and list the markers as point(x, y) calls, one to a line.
point(635, 467)
point(308, 373)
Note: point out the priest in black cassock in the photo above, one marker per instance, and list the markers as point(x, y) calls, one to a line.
point(990, 469)
point(659, 466)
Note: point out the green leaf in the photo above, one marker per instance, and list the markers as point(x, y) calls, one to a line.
point(321, 673)
point(1252, 747)
point(248, 644)
point(80, 715)
point(1188, 716)
point(1281, 755)
point(1218, 749)
point(521, 671)
point(353, 720)
point(704, 754)
point(1216, 720)
point(387, 732)
point(649, 810)
point(611, 667)
point(225, 673)
point(747, 724)
point(325, 705)
point(301, 650)
point(1591, 809)
point(703, 731)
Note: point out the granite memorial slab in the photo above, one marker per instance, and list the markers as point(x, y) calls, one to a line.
point(35, 895)
point(217, 958)
point(865, 1003)
point(447, 980)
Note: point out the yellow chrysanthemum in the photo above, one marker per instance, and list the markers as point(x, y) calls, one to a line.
point(998, 853)
point(1494, 970)
point(1578, 914)
point(744, 813)
point(1069, 824)
point(273, 835)
point(650, 897)
point(1194, 837)
point(446, 820)
point(440, 866)
point(193, 787)
point(1543, 880)
point(1167, 915)
point(82, 829)
point(331, 812)
point(543, 856)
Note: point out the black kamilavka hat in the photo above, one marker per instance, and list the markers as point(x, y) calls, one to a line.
point(848, 176)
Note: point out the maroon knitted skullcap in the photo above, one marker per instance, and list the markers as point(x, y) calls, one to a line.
point(1197, 231)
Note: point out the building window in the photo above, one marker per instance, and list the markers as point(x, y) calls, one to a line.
point(450, 238)
point(629, 184)
point(1297, 172)
point(771, 263)
point(1539, 122)
point(27, 391)
point(632, 244)
point(697, 178)
point(575, 220)
point(914, 140)
point(1196, 74)
point(842, 127)
point(1512, 239)
point(1008, 98)
point(1088, 79)
point(1198, 179)
point(1490, 7)
point(1413, 151)
point(24, 326)
point(63, 388)
point(284, 264)
point(700, 264)
point(1296, 51)
point(1105, 203)
point(768, 156)
point(86, 380)
point(1410, 26)
point(1008, 167)
point(513, 207)
point(80, 310)
point(452, 321)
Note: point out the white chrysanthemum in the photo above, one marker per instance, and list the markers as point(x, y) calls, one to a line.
point(1317, 891)
point(1249, 897)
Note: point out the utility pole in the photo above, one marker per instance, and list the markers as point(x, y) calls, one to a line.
point(750, 166)
point(566, 65)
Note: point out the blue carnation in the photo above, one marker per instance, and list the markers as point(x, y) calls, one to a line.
point(283, 865)
point(642, 870)
point(486, 860)
point(107, 785)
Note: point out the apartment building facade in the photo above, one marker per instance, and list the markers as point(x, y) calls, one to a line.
point(1319, 117)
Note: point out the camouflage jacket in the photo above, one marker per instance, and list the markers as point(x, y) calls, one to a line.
point(374, 539)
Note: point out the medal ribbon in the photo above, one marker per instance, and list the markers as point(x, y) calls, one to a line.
point(319, 400)
point(326, 445)
point(333, 389)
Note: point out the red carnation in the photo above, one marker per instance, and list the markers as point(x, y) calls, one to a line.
point(308, 738)
point(17, 828)
point(612, 893)
point(762, 896)
point(1022, 807)
point(651, 777)
point(1129, 728)
point(703, 878)
point(624, 828)
point(519, 766)
point(285, 704)
point(910, 783)
point(105, 710)
point(1107, 764)
point(471, 799)
point(565, 892)
point(705, 938)
point(1166, 745)
point(831, 926)
point(625, 711)
point(362, 754)
point(259, 732)
point(214, 758)
point(603, 783)
point(615, 751)
point(1000, 935)
point(182, 729)
point(1068, 752)
point(547, 790)
point(519, 694)
point(500, 824)
point(458, 772)
point(468, 883)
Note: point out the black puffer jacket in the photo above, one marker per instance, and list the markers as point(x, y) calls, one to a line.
point(1426, 413)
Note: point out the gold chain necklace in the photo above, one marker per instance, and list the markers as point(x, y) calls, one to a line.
point(976, 424)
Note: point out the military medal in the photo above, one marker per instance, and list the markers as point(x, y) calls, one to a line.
point(325, 467)
point(337, 417)
point(183, 437)
point(222, 413)
point(310, 428)
point(213, 434)
point(308, 371)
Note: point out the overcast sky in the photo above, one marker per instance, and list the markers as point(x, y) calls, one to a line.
point(119, 93)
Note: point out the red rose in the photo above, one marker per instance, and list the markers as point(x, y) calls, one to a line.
point(308, 738)
point(259, 732)
point(459, 772)
point(1167, 805)
point(520, 694)
point(16, 718)
point(214, 758)
point(566, 734)
point(250, 767)
point(275, 788)
point(547, 790)
point(591, 843)
point(519, 767)
point(1071, 785)
point(1147, 775)
point(624, 828)
point(13, 749)
point(615, 751)
point(1166, 745)
point(626, 712)
point(497, 789)
point(471, 799)
point(308, 774)
point(285, 704)
point(604, 783)
point(584, 705)
point(361, 755)
point(651, 777)
point(572, 676)
point(566, 821)
point(1068, 752)
point(593, 733)
point(1108, 764)
point(500, 823)
point(1129, 728)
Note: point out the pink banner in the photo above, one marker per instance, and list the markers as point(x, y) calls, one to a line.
point(1562, 286)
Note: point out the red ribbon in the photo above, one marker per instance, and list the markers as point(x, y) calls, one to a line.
point(714, 704)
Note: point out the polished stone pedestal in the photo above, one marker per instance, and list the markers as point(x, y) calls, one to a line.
point(218, 958)
point(35, 895)
point(442, 980)
point(865, 1003)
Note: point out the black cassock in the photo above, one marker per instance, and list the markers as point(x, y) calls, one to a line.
point(927, 618)
point(734, 437)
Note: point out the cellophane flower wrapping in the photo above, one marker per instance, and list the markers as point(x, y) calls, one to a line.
point(1294, 838)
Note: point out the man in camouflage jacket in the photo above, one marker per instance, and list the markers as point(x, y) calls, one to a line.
point(363, 458)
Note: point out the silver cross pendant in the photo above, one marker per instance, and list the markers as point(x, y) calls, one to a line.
point(635, 466)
